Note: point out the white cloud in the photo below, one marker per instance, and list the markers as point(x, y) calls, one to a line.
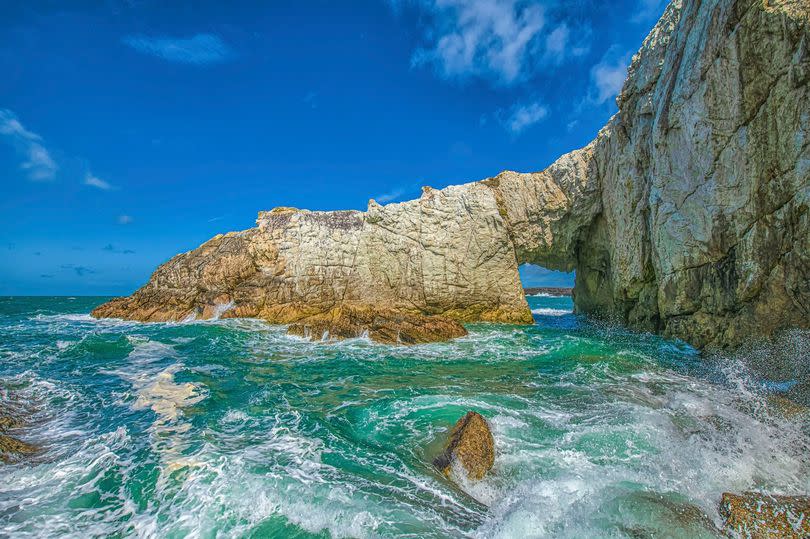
point(562, 44)
point(201, 49)
point(96, 182)
point(522, 116)
point(38, 164)
point(124, 219)
point(490, 38)
point(506, 41)
point(608, 76)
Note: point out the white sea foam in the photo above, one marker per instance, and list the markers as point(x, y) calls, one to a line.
point(545, 311)
point(220, 309)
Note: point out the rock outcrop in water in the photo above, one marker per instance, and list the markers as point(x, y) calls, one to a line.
point(470, 445)
point(381, 325)
point(762, 516)
point(687, 215)
point(10, 447)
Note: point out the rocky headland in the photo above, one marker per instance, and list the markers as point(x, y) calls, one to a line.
point(687, 215)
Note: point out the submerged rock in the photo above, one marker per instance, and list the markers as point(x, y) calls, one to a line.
point(470, 445)
point(11, 447)
point(380, 325)
point(763, 516)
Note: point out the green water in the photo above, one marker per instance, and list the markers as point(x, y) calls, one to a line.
point(233, 429)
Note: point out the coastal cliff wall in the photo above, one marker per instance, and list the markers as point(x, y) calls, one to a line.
point(687, 215)
point(705, 178)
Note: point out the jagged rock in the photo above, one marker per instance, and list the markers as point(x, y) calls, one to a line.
point(447, 253)
point(687, 215)
point(471, 445)
point(381, 325)
point(762, 516)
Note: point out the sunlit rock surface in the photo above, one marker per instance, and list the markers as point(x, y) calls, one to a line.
point(687, 215)
point(381, 325)
point(470, 449)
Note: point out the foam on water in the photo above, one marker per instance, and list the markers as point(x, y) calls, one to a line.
point(232, 428)
point(545, 311)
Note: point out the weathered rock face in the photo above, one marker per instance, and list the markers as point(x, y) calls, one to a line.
point(471, 445)
point(446, 253)
point(381, 325)
point(688, 214)
point(705, 178)
point(762, 516)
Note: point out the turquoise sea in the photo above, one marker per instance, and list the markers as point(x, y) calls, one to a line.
point(233, 429)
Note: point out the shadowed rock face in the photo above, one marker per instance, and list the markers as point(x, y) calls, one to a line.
point(705, 178)
point(687, 215)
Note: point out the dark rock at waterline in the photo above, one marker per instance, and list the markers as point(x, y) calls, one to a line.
point(764, 516)
point(471, 444)
point(387, 326)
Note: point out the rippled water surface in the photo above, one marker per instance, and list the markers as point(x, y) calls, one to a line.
point(233, 429)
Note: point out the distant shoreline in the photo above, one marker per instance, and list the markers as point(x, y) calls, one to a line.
point(548, 290)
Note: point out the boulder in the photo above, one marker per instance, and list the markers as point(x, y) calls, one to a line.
point(386, 326)
point(471, 445)
point(764, 516)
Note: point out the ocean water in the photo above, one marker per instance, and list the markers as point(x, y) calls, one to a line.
point(230, 428)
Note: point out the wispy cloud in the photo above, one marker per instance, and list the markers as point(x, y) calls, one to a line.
point(311, 99)
point(38, 163)
point(390, 196)
point(608, 76)
point(110, 248)
point(81, 271)
point(95, 181)
point(505, 41)
point(647, 10)
point(560, 45)
point(490, 38)
point(522, 116)
point(201, 49)
point(124, 219)
point(397, 193)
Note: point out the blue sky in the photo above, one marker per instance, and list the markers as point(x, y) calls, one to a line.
point(131, 130)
